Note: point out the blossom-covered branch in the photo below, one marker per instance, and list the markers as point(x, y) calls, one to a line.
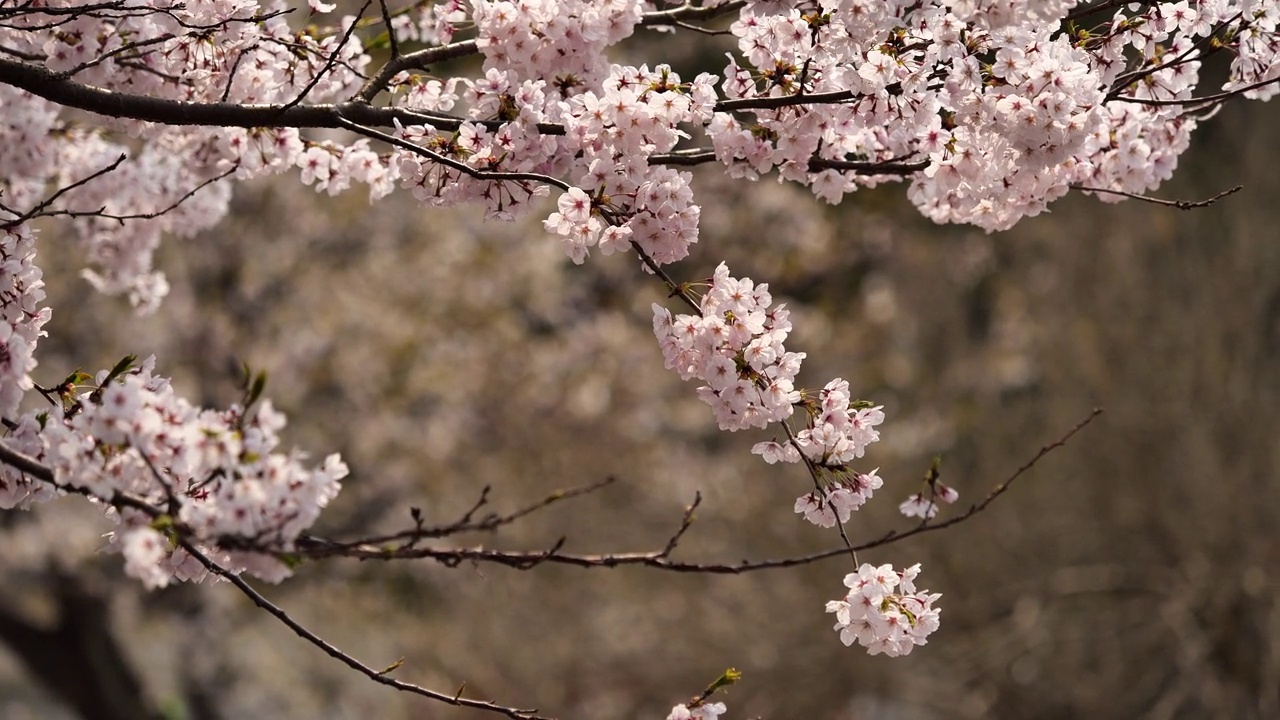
point(987, 111)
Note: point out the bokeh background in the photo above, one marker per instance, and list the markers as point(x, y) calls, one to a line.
point(1133, 573)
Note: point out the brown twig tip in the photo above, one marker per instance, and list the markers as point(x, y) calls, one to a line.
point(685, 521)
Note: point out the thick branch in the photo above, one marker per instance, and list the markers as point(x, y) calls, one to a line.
point(55, 88)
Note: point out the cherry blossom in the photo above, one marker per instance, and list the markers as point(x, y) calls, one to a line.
point(883, 612)
point(132, 123)
point(705, 711)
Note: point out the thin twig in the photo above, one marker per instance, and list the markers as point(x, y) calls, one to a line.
point(333, 652)
point(1180, 204)
point(1204, 100)
point(101, 212)
point(525, 560)
point(465, 169)
point(1128, 79)
point(685, 521)
point(330, 62)
point(392, 44)
point(464, 524)
point(37, 210)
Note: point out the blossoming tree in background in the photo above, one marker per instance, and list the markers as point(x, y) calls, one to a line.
point(125, 121)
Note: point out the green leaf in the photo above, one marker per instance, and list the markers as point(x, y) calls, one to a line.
point(255, 389)
point(935, 470)
point(391, 667)
point(729, 677)
point(252, 385)
point(293, 561)
point(125, 365)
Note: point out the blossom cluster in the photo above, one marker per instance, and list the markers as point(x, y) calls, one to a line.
point(433, 24)
point(837, 501)
point(884, 612)
point(215, 474)
point(736, 346)
point(565, 39)
point(1007, 110)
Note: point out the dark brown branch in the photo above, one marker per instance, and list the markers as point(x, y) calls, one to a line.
point(863, 167)
point(38, 210)
point(26, 464)
point(1180, 204)
point(380, 677)
point(468, 523)
point(55, 88)
point(676, 289)
point(657, 559)
point(419, 60)
point(685, 521)
point(465, 169)
point(1205, 100)
point(393, 44)
point(892, 166)
point(51, 86)
point(782, 101)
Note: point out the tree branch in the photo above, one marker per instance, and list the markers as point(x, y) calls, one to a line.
point(382, 678)
point(1180, 204)
point(51, 86)
point(659, 559)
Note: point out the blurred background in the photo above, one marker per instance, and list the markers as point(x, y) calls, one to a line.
point(1131, 574)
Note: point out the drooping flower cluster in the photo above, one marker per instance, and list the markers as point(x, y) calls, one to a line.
point(836, 502)
point(736, 346)
point(884, 612)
